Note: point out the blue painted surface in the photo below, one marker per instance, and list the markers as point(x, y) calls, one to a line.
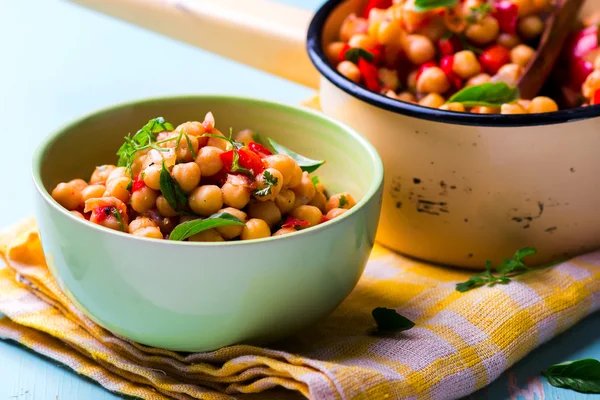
point(60, 61)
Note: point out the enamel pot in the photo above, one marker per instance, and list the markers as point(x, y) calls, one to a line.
point(459, 188)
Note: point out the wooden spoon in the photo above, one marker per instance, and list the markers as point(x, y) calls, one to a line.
point(559, 26)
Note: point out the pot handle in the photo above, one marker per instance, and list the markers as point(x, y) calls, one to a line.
point(263, 34)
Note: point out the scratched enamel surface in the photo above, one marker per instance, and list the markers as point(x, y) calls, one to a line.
point(100, 66)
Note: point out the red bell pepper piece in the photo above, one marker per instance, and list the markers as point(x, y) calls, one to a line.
point(596, 98)
point(376, 4)
point(378, 52)
point(507, 13)
point(227, 159)
point(370, 75)
point(138, 183)
point(425, 66)
point(494, 57)
point(579, 52)
point(259, 149)
point(246, 159)
point(449, 45)
point(291, 222)
point(324, 219)
point(446, 64)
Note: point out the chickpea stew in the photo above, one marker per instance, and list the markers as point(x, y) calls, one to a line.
point(194, 183)
point(452, 55)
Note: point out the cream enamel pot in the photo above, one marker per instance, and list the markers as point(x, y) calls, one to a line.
point(459, 188)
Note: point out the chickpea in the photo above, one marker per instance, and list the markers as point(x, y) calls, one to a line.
point(319, 201)
point(164, 208)
point(483, 32)
point(389, 32)
point(232, 231)
point(376, 15)
point(209, 235)
point(156, 157)
point(522, 55)
point(333, 51)
point(591, 84)
point(340, 200)
point(284, 231)
point(434, 29)
point(77, 214)
point(143, 199)
point(284, 164)
point(101, 173)
point(351, 26)
point(92, 192)
point(150, 232)
point(182, 148)
point(118, 188)
point(509, 74)
point(209, 160)
point(247, 135)
point(363, 41)
point(419, 49)
point(139, 163)
point(458, 107)
point(478, 80)
point(525, 7)
point(296, 177)
point(389, 78)
point(411, 81)
point(465, 64)
point(335, 212)
point(407, 97)
point(433, 80)
point(285, 201)
point(119, 172)
point(255, 229)
point(151, 176)
point(196, 129)
point(206, 200)
point(432, 100)
point(391, 94)
point(507, 40)
point(541, 6)
point(234, 195)
point(265, 210)
point(524, 103)
point(542, 104)
point(597, 62)
point(276, 184)
point(305, 191)
point(411, 19)
point(513, 108)
point(530, 27)
point(485, 110)
point(78, 183)
point(215, 142)
point(310, 214)
point(187, 175)
point(141, 222)
point(349, 70)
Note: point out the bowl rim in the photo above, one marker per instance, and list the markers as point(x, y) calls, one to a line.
point(319, 60)
point(376, 163)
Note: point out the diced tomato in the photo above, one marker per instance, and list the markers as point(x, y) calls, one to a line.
point(295, 223)
point(343, 52)
point(596, 98)
point(494, 57)
point(507, 13)
point(423, 67)
point(227, 159)
point(449, 45)
point(250, 160)
point(138, 183)
point(446, 64)
point(579, 53)
point(376, 4)
point(102, 213)
point(579, 70)
point(370, 75)
point(377, 52)
point(259, 149)
point(324, 219)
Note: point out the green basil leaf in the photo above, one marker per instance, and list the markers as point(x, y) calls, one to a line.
point(119, 218)
point(355, 53)
point(580, 375)
point(190, 228)
point(527, 251)
point(487, 94)
point(306, 164)
point(389, 321)
point(171, 190)
point(426, 5)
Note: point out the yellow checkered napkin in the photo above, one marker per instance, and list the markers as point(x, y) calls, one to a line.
point(461, 341)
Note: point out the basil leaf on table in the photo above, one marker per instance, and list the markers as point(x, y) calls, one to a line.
point(355, 53)
point(306, 164)
point(580, 375)
point(389, 321)
point(487, 94)
point(426, 5)
point(190, 228)
point(171, 190)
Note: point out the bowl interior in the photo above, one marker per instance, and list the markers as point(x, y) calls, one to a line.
point(73, 152)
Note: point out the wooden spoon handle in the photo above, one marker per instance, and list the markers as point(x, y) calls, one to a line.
point(558, 27)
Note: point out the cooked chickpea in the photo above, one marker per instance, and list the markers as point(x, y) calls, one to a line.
point(284, 231)
point(335, 212)
point(340, 200)
point(478, 80)
point(525, 7)
point(319, 201)
point(232, 231)
point(507, 40)
point(78, 183)
point(183, 150)
point(118, 188)
point(276, 184)
point(150, 232)
point(310, 214)
point(530, 27)
point(91, 192)
point(141, 222)
point(433, 80)
point(542, 104)
point(483, 32)
point(349, 70)
point(187, 175)
point(351, 26)
point(118, 172)
point(246, 136)
point(407, 97)
point(597, 62)
point(235, 195)
point(389, 32)
point(296, 177)
point(485, 110)
point(513, 108)
point(333, 51)
point(151, 176)
point(389, 78)
point(432, 100)
point(255, 229)
point(216, 142)
point(101, 173)
point(524, 103)
point(522, 55)
point(363, 41)
point(139, 163)
point(285, 201)
point(77, 214)
point(209, 235)
point(465, 64)
point(509, 74)
point(194, 128)
point(265, 210)
point(284, 164)
point(305, 191)
point(206, 200)
point(542, 5)
point(434, 30)
point(391, 94)
point(591, 84)
point(458, 107)
point(376, 15)
point(143, 199)
point(419, 49)
point(209, 160)
point(164, 208)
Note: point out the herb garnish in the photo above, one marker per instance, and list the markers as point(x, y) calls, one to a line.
point(315, 181)
point(343, 201)
point(507, 269)
point(306, 164)
point(389, 321)
point(235, 165)
point(190, 228)
point(487, 95)
point(353, 54)
point(478, 12)
point(189, 142)
point(580, 375)
point(235, 144)
point(119, 218)
point(426, 5)
point(269, 180)
point(171, 190)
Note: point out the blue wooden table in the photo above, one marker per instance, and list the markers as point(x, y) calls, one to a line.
point(60, 61)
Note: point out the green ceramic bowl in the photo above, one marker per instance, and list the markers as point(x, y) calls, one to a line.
point(201, 296)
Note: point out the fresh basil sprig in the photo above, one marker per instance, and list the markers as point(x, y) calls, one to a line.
point(306, 164)
point(487, 94)
point(389, 321)
point(190, 228)
point(580, 375)
point(171, 190)
point(355, 53)
point(143, 139)
point(426, 5)
point(269, 181)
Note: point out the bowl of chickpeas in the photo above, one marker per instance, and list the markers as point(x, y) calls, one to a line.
point(193, 223)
